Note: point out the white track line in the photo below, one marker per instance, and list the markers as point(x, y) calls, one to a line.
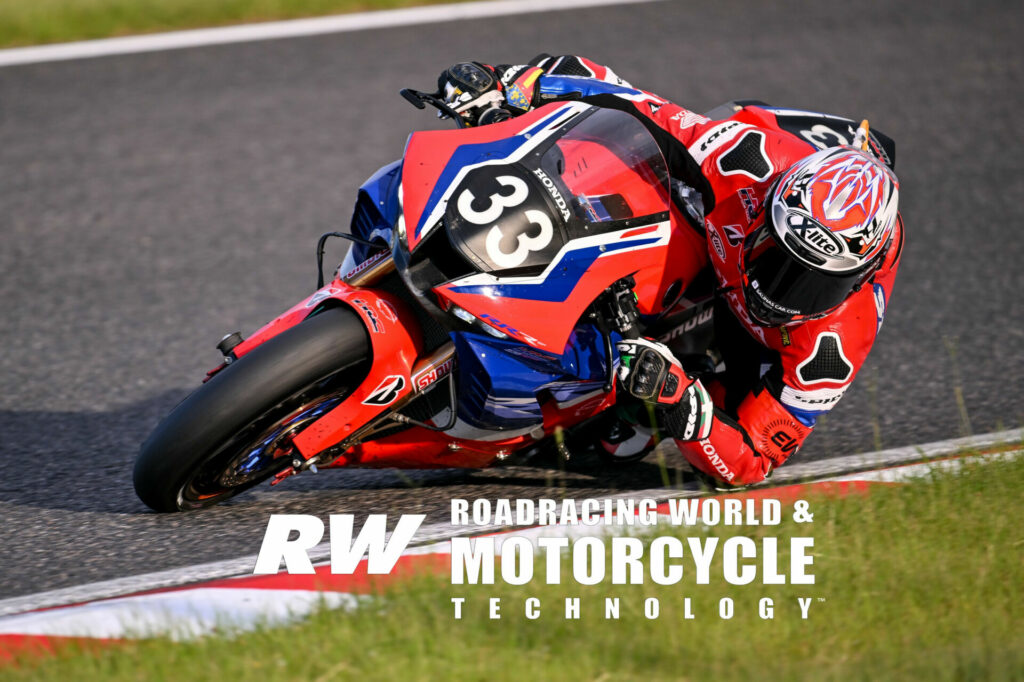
point(442, 531)
point(294, 28)
point(180, 615)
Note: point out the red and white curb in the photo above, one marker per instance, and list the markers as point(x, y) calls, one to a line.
point(153, 605)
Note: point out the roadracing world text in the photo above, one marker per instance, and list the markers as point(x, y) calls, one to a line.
point(587, 542)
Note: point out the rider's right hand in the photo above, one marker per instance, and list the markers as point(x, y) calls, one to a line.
point(484, 94)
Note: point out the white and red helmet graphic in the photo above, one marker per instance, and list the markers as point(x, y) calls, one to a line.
point(836, 209)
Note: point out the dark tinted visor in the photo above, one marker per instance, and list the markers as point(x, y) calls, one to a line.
point(780, 289)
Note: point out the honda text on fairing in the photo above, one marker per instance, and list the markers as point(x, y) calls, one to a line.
point(494, 271)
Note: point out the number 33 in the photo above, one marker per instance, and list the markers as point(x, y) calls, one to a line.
point(525, 244)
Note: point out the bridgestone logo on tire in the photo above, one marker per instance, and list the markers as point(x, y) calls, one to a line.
point(387, 392)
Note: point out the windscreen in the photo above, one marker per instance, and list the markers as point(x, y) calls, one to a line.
point(601, 171)
point(611, 167)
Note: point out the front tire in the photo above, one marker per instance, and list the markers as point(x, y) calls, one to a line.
point(232, 432)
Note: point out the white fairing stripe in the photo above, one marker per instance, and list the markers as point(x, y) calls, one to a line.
point(662, 234)
point(467, 431)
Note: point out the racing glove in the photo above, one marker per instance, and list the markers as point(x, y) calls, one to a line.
point(650, 372)
point(484, 94)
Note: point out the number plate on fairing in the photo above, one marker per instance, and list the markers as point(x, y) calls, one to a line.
point(500, 218)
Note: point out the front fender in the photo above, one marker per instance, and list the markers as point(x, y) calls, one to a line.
point(395, 342)
point(335, 291)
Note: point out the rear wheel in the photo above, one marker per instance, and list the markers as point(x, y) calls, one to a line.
point(235, 430)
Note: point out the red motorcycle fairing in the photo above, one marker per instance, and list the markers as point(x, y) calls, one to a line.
point(395, 342)
point(677, 266)
point(548, 305)
point(582, 250)
point(418, 448)
point(569, 414)
point(432, 174)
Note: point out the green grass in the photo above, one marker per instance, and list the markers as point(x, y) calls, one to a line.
point(922, 582)
point(32, 22)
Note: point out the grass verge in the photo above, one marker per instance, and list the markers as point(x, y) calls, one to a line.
point(919, 582)
point(33, 22)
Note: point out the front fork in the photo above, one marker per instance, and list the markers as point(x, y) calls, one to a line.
point(324, 450)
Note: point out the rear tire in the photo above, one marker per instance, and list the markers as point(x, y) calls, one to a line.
point(213, 445)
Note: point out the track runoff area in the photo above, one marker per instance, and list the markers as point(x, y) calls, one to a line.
point(485, 540)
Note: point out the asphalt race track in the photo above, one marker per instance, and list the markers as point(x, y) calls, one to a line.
point(151, 203)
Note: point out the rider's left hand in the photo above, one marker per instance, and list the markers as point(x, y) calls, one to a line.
point(649, 371)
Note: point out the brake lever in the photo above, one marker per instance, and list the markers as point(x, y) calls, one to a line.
point(421, 99)
point(414, 96)
point(617, 310)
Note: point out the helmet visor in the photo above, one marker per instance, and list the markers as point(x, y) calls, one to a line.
point(780, 289)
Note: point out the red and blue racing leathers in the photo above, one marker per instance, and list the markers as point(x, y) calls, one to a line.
point(780, 380)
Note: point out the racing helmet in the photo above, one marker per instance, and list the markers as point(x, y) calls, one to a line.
point(829, 222)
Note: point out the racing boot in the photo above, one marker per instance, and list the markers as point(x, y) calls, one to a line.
point(624, 438)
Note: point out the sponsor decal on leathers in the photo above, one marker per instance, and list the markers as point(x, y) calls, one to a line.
point(716, 460)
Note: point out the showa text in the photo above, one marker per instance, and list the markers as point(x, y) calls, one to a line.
point(569, 542)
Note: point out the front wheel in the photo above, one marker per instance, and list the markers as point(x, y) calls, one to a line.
point(235, 430)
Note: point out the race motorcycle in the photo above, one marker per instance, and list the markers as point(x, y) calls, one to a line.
point(475, 317)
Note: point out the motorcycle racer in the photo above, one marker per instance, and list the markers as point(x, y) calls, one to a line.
point(803, 243)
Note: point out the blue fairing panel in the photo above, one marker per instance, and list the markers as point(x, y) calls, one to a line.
point(376, 209)
point(496, 388)
point(499, 380)
point(582, 86)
